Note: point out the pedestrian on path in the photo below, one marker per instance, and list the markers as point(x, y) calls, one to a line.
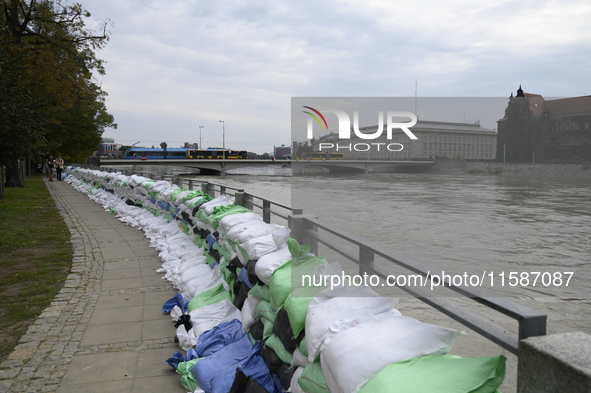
point(50, 165)
point(59, 166)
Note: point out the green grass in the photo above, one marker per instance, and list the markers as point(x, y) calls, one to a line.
point(35, 258)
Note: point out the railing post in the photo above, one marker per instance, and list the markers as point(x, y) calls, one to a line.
point(248, 202)
point(239, 198)
point(222, 190)
point(190, 184)
point(366, 259)
point(308, 239)
point(205, 188)
point(295, 222)
point(266, 211)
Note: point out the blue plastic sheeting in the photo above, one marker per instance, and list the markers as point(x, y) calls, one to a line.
point(164, 206)
point(243, 276)
point(177, 210)
point(176, 300)
point(210, 240)
point(214, 264)
point(191, 354)
point(175, 359)
point(217, 338)
point(152, 200)
point(215, 373)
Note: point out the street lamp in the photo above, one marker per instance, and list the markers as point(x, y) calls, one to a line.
point(223, 139)
point(200, 146)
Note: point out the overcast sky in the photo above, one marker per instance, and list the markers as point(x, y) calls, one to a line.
point(173, 65)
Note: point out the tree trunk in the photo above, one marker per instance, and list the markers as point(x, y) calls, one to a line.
point(12, 175)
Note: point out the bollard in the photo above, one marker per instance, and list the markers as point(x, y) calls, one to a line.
point(205, 188)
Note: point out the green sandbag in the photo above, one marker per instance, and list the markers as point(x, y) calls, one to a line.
point(176, 193)
point(441, 374)
point(303, 348)
point(187, 378)
point(211, 296)
point(275, 344)
point(225, 211)
point(297, 307)
point(267, 315)
point(288, 277)
point(193, 194)
point(192, 203)
point(260, 291)
point(312, 380)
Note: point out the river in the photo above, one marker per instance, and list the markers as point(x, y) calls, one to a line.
point(459, 223)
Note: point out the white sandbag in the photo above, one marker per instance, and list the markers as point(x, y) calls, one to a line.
point(249, 312)
point(198, 271)
point(249, 230)
point(190, 287)
point(259, 246)
point(187, 340)
point(267, 264)
point(222, 200)
point(342, 303)
point(280, 235)
point(229, 221)
point(354, 356)
point(298, 358)
point(207, 317)
point(295, 386)
point(247, 318)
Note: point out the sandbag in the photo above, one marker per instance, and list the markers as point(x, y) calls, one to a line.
point(218, 337)
point(340, 303)
point(259, 246)
point(211, 296)
point(312, 379)
point(355, 355)
point(441, 374)
point(267, 264)
point(207, 317)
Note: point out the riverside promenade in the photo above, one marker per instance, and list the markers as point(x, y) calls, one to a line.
point(105, 330)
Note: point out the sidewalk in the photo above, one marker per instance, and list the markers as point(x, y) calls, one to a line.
point(104, 331)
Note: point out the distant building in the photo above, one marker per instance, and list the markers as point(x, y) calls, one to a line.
point(435, 138)
point(282, 152)
point(109, 149)
point(563, 128)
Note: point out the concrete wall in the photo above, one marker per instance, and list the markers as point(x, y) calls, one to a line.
point(555, 363)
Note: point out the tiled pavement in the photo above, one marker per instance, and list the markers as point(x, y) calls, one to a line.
point(104, 331)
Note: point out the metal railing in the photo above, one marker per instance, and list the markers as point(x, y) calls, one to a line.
point(311, 231)
point(252, 201)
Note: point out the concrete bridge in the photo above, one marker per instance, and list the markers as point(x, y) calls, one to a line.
point(218, 166)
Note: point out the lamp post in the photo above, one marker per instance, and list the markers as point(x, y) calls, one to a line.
point(200, 127)
point(223, 139)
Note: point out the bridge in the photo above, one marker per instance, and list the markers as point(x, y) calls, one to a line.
point(220, 166)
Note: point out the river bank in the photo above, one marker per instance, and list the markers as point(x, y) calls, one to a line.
point(581, 171)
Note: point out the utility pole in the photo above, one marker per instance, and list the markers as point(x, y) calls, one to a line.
point(223, 139)
point(200, 146)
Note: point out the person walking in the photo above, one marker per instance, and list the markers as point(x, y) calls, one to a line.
point(59, 167)
point(50, 165)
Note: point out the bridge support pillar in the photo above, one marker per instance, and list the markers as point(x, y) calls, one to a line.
point(555, 363)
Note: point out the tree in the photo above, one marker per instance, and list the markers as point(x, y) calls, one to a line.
point(163, 145)
point(49, 102)
point(516, 131)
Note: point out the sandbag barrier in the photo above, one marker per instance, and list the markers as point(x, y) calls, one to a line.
point(245, 322)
